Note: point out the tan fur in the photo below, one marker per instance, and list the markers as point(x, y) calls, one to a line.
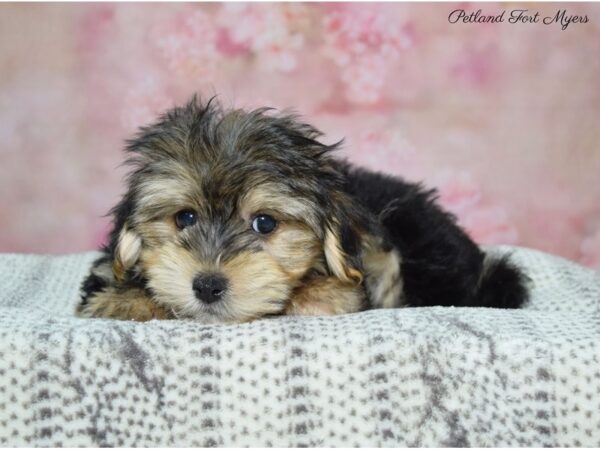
point(157, 232)
point(325, 296)
point(262, 282)
point(127, 254)
point(170, 270)
point(129, 304)
point(258, 286)
point(259, 282)
point(269, 197)
point(295, 247)
point(165, 195)
point(382, 270)
point(337, 259)
point(271, 281)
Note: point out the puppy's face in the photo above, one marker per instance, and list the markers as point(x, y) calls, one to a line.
point(228, 212)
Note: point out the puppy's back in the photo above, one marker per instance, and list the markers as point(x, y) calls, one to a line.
point(440, 263)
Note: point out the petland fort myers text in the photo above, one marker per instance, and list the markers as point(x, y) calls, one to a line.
point(517, 16)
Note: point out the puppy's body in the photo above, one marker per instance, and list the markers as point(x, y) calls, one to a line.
point(438, 262)
point(231, 216)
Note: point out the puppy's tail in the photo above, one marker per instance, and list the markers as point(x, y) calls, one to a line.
point(502, 284)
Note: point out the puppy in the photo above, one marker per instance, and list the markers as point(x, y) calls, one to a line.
point(230, 216)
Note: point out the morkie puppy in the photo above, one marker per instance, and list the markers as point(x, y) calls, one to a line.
point(230, 216)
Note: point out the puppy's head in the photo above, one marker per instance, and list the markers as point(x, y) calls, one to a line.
point(228, 211)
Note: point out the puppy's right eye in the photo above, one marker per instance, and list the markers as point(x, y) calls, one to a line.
point(185, 218)
point(263, 224)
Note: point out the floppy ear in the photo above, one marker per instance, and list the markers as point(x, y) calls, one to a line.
point(341, 245)
point(338, 261)
point(126, 252)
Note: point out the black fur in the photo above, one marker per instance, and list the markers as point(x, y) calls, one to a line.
point(441, 265)
point(94, 283)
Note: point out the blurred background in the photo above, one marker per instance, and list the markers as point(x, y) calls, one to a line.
point(503, 118)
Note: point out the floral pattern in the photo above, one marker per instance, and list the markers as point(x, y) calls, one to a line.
point(501, 118)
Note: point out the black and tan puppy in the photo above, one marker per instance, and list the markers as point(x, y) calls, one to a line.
point(230, 216)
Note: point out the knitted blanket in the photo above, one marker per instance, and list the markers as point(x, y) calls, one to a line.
point(405, 377)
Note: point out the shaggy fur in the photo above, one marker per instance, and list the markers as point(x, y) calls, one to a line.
point(345, 239)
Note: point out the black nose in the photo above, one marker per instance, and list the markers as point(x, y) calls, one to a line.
point(209, 287)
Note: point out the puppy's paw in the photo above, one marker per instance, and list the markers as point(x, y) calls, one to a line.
point(325, 296)
point(130, 304)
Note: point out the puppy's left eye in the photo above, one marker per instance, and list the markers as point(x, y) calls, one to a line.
point(263, 224)
point(185, 218)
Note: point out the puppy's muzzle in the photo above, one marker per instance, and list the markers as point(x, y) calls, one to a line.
point(209, 288)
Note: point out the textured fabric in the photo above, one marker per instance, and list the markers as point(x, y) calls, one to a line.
point(418, 377)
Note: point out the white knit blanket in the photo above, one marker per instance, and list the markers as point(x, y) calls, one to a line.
point(406, 377)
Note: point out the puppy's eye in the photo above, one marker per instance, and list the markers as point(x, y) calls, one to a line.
point(263, 224)
point(185, 218)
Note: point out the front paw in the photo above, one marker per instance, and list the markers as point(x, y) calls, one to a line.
point(325, 296)
point(130, 304)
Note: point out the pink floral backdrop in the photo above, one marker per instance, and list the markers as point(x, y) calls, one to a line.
point(503, 118)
